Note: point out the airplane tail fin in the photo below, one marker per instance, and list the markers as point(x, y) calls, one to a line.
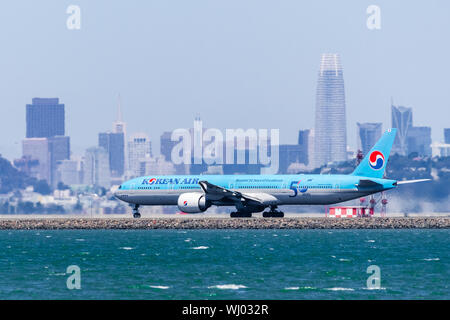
point(374, 163)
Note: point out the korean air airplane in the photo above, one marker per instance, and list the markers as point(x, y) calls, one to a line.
point(255, 193)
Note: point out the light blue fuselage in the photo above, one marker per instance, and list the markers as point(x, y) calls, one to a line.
point(287, 189)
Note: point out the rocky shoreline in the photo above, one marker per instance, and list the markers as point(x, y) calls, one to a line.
point(225, 223)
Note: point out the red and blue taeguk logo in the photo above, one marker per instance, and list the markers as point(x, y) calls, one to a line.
point(376, 160)
point(185, 203)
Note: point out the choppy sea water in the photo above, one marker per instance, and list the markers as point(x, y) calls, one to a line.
point(225, 264)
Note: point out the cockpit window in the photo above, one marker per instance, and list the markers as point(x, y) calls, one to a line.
point(120, 187)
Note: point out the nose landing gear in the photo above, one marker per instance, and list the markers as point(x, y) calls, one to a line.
point(136, 213)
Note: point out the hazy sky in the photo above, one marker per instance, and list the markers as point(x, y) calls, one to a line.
point(237, 63)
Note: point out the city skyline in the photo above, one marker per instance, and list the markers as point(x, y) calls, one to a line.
point(264, 71)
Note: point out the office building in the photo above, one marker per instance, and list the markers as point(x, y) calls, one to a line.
point(419, 141)
point(330, 119)
point(447, 135)
point(38, 150)
point(402, 119)
point(367, 135)
point(139, 147)
point(114, 144)
point(44, 118)
point(96, 168)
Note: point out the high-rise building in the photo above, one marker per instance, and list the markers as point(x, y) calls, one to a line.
point(69, 172)
point(447, 135)
point(304, 143)
point(96, 168)
point(289, 154)
point(119, 126)
point(45, 118)
point(59, 147)
point(47, 152)
point(402, 119)
point(166, 145)
point(367, 135)
point(139, 147)
point(45, 137)
point(114, 144)
point(330, 123)
point(37, 149)
point(419, 141)
point(156, 166)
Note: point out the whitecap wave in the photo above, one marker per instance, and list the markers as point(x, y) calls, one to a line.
point(292, 288)
point(126, 248)
point(431, 259)
point(340, 289)
point(344, 260)
point(228, 286)
point(160, 287)
point(200, 248)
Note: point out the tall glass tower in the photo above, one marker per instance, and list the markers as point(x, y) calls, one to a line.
point(402, 119)
point(330, 143)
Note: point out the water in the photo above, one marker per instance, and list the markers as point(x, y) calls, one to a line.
point(225, 264)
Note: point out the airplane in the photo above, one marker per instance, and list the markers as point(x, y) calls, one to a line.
point(256, 193)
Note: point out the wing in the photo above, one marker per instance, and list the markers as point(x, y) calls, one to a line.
point(216, 193)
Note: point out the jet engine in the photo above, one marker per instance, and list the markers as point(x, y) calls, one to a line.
point(192, 202)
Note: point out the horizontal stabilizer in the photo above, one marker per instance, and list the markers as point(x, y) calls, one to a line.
point(412, 181)
point(366, 183)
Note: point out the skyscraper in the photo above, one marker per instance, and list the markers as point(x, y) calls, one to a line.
point(59, 147)
point(447, 135)
point(330, 123)
point(45, 140)
point(38, 149)
point(114, 144)
point(119, 126)
point(402, 120)
point(139, 147)
point(304, 142)
point(367, 135)
point(44, 118)
point(96, 168)
point(419, 141)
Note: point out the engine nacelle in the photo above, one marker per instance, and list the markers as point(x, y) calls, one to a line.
point(192, 202)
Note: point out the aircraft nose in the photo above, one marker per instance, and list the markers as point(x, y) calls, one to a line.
point(117, 194)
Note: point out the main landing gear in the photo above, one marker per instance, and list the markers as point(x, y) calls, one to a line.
point(136, 213)
point(273, 213)
point(239, 214)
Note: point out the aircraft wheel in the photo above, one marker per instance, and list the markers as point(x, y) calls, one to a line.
point(240, 214)
point(273, 214)
point(136, 215)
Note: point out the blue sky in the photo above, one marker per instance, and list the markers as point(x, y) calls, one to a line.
point(237, 63)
